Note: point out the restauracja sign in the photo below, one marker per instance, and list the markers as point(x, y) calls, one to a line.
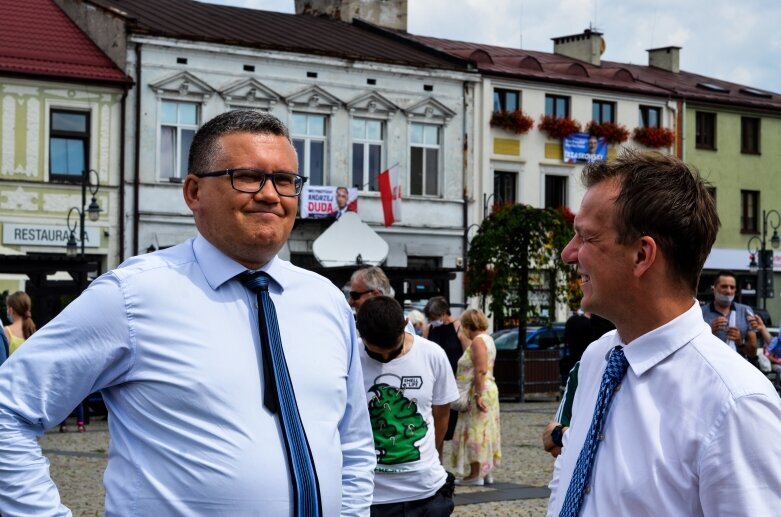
point(46, 235)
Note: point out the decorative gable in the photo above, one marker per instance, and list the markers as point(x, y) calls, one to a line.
point(372, 104)
point(183, 84)
point(431, 110)
point(250, 92)
point(314, 99)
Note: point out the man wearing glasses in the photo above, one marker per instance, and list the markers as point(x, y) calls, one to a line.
point(368, 282)
point(177, 342)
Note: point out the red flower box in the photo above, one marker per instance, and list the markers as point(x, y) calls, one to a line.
point(654, 137)
point(611, 132)
point(513, 121)
point(558, 127)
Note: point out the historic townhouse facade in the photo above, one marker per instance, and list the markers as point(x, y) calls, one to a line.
point(60, 129)
point(525, 163)
point(357, 101)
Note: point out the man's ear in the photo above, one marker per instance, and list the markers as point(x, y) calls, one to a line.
point(190, 191)
point(644, 255)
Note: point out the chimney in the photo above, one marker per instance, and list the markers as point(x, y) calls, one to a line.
point(666, 58)
point(587, 47)
point(391, 14)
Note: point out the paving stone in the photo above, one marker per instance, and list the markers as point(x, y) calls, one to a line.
point(77, 462)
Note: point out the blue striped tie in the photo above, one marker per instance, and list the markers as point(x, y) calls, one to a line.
point(279, 398)
point(614, 372)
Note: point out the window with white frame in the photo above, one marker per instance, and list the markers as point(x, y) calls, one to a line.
point(309, 139)
point(178, 124)
point(367, 137)
point(424, 159)
point(69, 133)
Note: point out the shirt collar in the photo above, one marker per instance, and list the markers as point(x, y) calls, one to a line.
point(218, 268)
point(655, 346)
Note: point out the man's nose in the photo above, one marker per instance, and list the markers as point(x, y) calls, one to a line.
point(570, 253)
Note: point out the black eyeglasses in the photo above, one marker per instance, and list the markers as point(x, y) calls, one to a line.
point(357, 294)
point(251, 181)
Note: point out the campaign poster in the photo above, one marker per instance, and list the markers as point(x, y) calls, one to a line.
point(321, 202)
point(583, 148)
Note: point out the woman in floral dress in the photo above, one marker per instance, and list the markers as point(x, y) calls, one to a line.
point(476, 441)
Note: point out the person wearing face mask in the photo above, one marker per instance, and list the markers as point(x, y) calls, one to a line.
point(728, 320)
point(443, 330)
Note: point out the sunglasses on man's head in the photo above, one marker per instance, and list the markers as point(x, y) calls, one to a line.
point(357, 294)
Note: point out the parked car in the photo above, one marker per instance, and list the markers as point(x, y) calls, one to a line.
point(542, 351)
point(537, 338)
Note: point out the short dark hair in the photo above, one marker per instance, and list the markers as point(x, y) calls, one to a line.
point(205, 146)
point(381, 321)
point(724, 272)
point(436, 308)
point(666, 199)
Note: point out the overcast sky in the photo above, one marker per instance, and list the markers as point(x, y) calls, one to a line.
point(738, 41)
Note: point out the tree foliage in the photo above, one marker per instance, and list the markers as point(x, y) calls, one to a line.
point(512, 241)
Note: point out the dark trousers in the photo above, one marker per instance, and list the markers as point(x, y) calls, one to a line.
point(438, 505)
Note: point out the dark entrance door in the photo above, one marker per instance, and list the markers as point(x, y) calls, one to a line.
point(50, 297)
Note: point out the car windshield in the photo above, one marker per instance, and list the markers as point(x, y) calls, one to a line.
point(537, 338)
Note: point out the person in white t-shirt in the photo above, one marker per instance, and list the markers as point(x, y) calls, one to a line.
point(409, 387)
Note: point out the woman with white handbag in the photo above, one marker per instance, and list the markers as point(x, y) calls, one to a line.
point(476, 440)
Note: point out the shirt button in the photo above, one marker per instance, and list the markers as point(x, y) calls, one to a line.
point(587, 490)
point(601, 437)
point(256, 305)
point(618, 387)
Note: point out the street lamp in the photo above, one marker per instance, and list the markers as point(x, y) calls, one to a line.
point(761, 258)
point(486, 199)
point(93, 211)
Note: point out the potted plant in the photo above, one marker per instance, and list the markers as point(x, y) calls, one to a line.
point(558, 127)
point(611, 132)
point(654, 137)
point(513, 121)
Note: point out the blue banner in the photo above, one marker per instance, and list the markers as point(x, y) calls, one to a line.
point(580, 147)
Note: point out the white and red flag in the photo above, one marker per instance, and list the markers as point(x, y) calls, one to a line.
point(390, 194)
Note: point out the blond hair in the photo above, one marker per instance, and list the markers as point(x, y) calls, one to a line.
point(474, 319)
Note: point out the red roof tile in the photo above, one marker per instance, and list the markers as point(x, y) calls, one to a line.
point(253, 28)
point(38, 39)
point(511, 62)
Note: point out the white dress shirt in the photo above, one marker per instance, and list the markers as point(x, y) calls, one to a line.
point(171, 339)
point(693, 430)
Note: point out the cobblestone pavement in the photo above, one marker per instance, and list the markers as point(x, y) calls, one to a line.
point(79, 459)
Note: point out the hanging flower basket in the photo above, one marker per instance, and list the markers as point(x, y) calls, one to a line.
point(558, 127)
point(654, 137)
point(611, 132)
point(513, 121)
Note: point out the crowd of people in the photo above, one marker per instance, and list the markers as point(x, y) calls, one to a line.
point(237, 382)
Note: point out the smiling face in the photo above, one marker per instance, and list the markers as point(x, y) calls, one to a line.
point(249, 228)
point(605, 266)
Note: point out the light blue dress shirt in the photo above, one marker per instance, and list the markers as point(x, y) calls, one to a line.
point(690, 432)
point(171, 340)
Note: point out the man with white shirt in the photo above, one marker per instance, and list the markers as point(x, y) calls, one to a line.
point(664, 421)
point(409, 388)
point(195, 349)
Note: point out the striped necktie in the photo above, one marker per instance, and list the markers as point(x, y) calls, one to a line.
point(614, 372)
point(279, 398)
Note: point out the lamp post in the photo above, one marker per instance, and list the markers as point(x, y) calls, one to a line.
point(761, 258)
point(93, 211)
point(486, 199)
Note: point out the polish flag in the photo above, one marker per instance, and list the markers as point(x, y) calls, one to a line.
point(390, 194)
